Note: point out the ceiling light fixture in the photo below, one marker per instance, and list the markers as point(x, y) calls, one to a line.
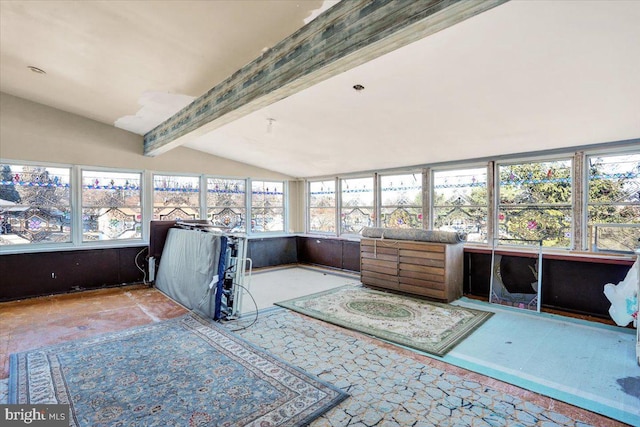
point(36, 69)
point(359, 88)
point(270, 124)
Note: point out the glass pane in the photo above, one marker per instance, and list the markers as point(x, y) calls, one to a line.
point(401, 217)
point(322, 194)
point(110, 189)
point(322, 220)
point(401, 190)
point(269, 219)
point(230, 218)
point(267, 194)
point(533, 183)
point(34, 204)
point(225, 192)
point(617, 237)
point(176, 213)
point(357, 192)
point(614, 179)
point(614, 198)
point(525, 225)
point(355, 219)
point(460, 202)
point(111, 223)
point(176, 197)
point(467, 219)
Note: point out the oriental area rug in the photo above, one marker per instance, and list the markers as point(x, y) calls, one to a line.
point(183, 372)
point(431, 327)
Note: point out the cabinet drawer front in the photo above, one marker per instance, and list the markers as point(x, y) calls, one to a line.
point(420, 283)
point(380, 256)
point(391, 283)
point(439, 271)
point(419, 290)
point(423, 276)
point(422, 247)
point(422, 261)
point(424, 255)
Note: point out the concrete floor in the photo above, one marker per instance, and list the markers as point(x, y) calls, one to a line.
point(389, 385)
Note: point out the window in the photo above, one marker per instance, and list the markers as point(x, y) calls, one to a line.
point(322, 206)
point(460, 202)
point(535, 203)
point(176, 197)
point(356, 205)
point(401, 201)
point(111, 206)
point(226, 203)
point(267, 206)
point(613, 205)
point(35, 204)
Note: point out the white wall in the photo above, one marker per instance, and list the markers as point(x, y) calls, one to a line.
point(34, 132)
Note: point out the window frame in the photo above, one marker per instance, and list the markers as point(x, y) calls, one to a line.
point(589, 240)
point(47, 246)
point(177, 175)
point(374, 182)
point(568, 156)
point(488, 200)
point(335, 207)
point(80, 225)
point(380, 205)
point(206, 179)
point(250, 208)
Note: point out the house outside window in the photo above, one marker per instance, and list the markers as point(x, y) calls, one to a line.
point(226, 203)
point(356, 204)
point(535, 203)
point(401, 201)
point(267, 206)
point(613, 203)
point(35, 204)
point(111, 205)
point(322, 206)
point(176, 197)
point(460, 203)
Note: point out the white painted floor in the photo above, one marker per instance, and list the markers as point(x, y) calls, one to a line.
point(274, 285)
point(586, 364)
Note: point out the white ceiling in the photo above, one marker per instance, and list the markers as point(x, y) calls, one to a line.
point(525, 76)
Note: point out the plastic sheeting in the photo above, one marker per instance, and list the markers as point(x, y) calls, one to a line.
point(190, 270)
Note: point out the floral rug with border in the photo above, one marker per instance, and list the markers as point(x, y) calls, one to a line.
point(184, 372)
point(428, 326)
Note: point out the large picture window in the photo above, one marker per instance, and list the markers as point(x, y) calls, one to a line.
point(535, 203)
point(176, 197)
point(401, 201)
point(357, 205)
point(226, 203)
point(267, 206)
point(111, 206)
point(613, 203)
point(460, 202)
point(35, 204)
point(322, 206)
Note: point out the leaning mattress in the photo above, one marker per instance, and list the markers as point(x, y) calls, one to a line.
point(188, 271)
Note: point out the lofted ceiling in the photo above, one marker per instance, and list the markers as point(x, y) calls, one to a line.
point(524, 76)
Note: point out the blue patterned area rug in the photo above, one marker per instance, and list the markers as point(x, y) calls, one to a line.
point(180, 372)
point(413, 322)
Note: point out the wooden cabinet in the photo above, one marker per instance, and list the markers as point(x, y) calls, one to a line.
point(433, 270)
